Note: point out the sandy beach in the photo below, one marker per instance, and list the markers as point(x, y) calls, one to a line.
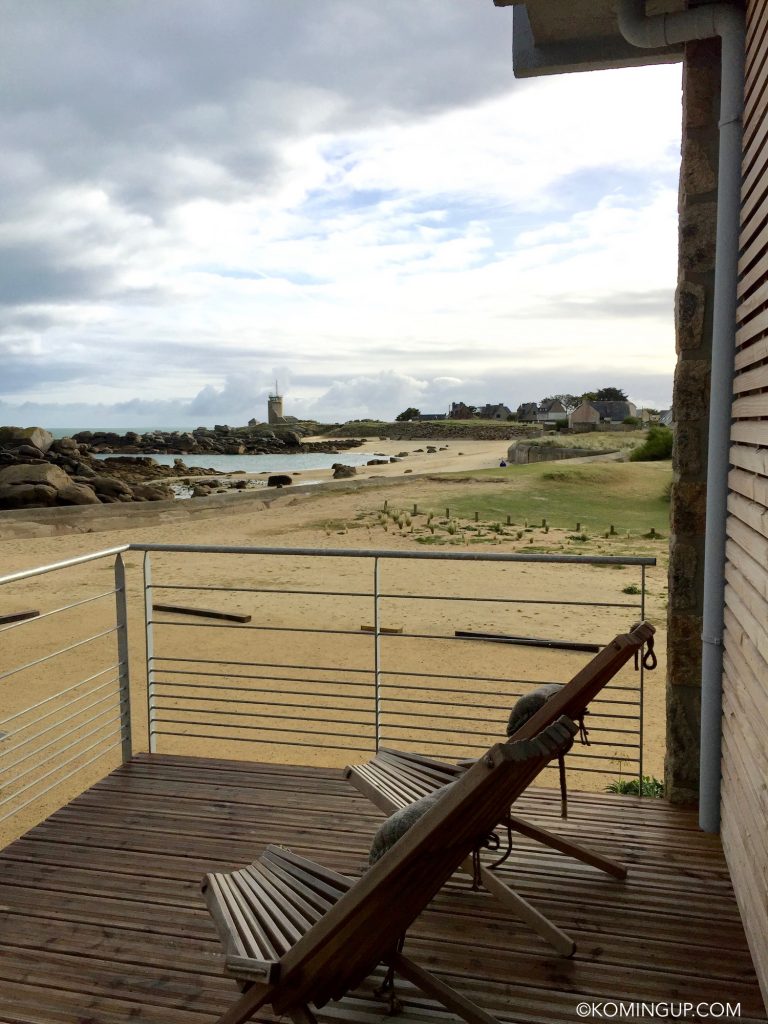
point(282, 595)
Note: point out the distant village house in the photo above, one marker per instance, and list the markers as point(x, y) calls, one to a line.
point(552, 411)
point(594, 413)
point(461, 411)
point(494, 412)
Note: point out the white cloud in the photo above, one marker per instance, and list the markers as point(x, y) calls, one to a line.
point(181, 217)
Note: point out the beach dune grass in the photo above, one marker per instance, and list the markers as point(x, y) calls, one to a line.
point(629, 496)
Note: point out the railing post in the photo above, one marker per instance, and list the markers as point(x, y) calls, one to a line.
point(150, 653)
point(642, 686)
point(376, 654)
point(123, 667)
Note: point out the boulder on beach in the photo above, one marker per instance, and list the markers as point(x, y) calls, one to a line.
point(41, 484)
point(110, 489)
point(340, 471)
point(38, 438)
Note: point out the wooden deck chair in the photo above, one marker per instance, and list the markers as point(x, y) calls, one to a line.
point(394, 778)
point(298, 935)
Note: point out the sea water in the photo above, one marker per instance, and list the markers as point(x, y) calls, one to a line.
point(288, 463)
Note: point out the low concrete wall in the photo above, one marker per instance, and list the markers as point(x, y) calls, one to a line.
point(522, 454)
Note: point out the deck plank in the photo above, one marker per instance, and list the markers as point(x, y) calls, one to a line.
point(101, 917)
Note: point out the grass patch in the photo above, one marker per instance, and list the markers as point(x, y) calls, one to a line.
point(651, 786)
point(629, 496)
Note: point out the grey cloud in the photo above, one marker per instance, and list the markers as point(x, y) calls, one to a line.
point(111, 92)
point(381, 395)
point(35, 275)
point(23, 371)
point(658, 304)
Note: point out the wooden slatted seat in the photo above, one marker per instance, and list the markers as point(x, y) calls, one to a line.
point(297, 934)
point(395, 778)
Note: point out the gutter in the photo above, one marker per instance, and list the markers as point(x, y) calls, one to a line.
point(704, 22)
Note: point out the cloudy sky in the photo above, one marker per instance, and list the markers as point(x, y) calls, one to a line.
point(200, 196)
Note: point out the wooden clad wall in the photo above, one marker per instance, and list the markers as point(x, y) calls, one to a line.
point(745, 680)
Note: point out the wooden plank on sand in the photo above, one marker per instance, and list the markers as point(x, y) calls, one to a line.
point(526, 641)
point(17, 616)
point(206, 613)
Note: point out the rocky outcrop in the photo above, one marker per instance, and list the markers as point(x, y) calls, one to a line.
point(63, 472)
point(35, 437)
point(340, 471)
point(255, 439)
point(38, 471)
point(39, 484)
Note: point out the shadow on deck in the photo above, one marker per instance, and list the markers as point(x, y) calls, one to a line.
point(101, 917)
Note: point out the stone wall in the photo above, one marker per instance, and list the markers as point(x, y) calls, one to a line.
point(522, 454)
point(693, 332)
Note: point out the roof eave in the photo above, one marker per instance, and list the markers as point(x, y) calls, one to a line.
point(532, 58)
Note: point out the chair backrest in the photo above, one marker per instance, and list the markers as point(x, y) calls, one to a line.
point(363, 928)
point(574, 697)
point(367, 922)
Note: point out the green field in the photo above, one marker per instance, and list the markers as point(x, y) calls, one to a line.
point(629, 496)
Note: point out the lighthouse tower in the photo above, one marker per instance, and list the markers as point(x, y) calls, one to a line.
point(275, 407)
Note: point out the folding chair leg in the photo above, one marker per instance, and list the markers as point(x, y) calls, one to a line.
point(521, 908)
point(255, 996)
point(432, 986)
point(569, 848)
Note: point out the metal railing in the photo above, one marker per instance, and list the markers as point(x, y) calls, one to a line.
point(345, 692)
point(344, 651)
point(67, 708)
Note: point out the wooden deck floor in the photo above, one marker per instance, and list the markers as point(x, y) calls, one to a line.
point(101, 918)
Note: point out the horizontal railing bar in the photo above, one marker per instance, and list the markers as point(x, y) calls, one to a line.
point(31, 785)
point(263, 703)
point(440, 722)
point(232, 675)
point(316, 631)
point(344, 683)
point(306, 718)
point(57, 739)
point(262, 590)
point(393, 596)
point(56, 696)
point(56, 611)
point(69, 775)
point(262, 728)
point(67, 564)
point(261, 629)
point(490, 707)
point(386, 740)
point(57, 654)
point(262, 664)
point(60, 721)
point(445, 556)
point(253, 714)
point(489, 693)
point(506, 600)
point(248, 739)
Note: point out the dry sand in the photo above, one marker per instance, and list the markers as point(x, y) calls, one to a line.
point(341, 518)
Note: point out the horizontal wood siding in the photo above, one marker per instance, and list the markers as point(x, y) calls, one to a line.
point(745, 670)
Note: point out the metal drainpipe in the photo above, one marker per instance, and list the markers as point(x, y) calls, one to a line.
point(703, 23)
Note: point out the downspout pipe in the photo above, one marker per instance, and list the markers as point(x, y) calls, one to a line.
point(705, 22)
